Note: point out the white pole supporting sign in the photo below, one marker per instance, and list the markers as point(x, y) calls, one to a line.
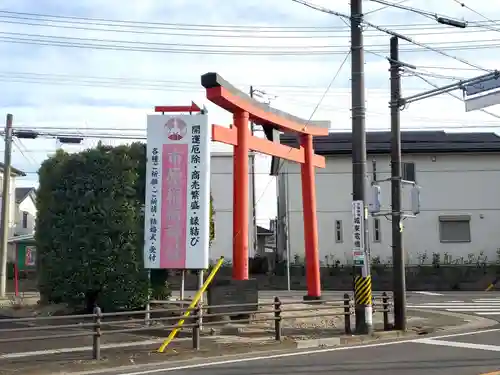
point(177, 207)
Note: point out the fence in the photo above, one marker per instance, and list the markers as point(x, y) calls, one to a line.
point(99, 320)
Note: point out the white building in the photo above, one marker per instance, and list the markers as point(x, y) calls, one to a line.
point(22, 210)
point(13, 214)
point(459, 176)
point(25, 210)
point(222, 193)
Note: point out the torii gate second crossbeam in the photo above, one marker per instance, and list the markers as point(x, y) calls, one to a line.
point(245, 109)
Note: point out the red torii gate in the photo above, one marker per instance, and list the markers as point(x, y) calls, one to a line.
point(245, 109)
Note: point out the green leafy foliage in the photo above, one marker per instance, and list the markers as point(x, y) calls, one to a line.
point(90, 228)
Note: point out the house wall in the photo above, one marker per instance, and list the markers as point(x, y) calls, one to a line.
point(12, 204)
point(222, 193)
point(460, 184)
point(27, 205)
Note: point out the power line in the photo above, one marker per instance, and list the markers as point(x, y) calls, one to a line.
point(463, 5)
point(424, 13)
point(177, 26)
point(251, 33)
point(342, 173)
point(17, 36)
point(390, 32)
point(270, 52)
point(310, 118)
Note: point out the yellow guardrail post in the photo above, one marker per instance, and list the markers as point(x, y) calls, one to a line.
point(492, 285)
point(193, 304)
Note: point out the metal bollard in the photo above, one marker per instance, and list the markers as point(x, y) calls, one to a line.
point(385, 309)
point(347, 314)
point(196, 327)
point(147, 316)
point(277, 319)
point(96, 343)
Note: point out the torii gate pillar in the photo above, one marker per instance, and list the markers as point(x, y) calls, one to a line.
point(245, 109)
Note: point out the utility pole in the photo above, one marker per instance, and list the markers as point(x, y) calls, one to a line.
point(5, 204)
point(362, 287)
point(399, 284)
point(252, 179)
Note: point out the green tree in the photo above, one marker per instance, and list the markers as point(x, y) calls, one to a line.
point(90, 229)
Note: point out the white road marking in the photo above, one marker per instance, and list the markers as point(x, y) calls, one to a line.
point(430, 293)
point(451, 306)
point(488, 313)
point(455, 344)
point(473, 309)
point(282, 355)
point(480, 306)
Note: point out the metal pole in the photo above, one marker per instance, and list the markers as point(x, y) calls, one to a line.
point(200, 302)
point(288, 250)
point(363, 312)
point(5, 204)
point(181, 297)
point(399, 287)
point(148, 304)
point(252, 187)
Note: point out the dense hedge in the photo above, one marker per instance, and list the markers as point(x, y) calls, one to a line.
point(89, 229)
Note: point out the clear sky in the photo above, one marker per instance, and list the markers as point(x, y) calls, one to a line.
point(111, 74)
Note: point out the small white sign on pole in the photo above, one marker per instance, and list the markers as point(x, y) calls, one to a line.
point(358, 229)
point(483, 101)
point(177, 207)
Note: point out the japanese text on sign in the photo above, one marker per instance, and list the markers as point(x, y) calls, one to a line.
point(153, 206)
point(358, 226)
point(174, 202)
point(195, 158)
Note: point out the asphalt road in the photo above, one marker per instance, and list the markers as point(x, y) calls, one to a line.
point(455, 354)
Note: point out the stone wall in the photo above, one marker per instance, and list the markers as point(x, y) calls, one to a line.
point(418, 278)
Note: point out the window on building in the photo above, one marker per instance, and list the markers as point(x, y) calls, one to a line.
point(408, 170)
point(377, 233)
point(25, 220)
point(454, 228)
point(339, 238)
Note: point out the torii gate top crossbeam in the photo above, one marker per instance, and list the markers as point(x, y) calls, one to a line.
point(226, 96)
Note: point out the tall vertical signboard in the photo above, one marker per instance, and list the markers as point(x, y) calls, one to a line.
point(177, 207)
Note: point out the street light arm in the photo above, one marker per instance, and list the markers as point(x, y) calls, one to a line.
point(448, 88)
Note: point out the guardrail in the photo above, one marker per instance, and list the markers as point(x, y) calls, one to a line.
point(99, 320)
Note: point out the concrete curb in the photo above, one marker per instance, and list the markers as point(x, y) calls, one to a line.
point(472, 321)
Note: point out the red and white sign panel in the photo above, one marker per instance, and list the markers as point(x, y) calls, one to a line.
point(177, 207)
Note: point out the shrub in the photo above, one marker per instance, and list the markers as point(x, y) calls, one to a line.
point(90, 227)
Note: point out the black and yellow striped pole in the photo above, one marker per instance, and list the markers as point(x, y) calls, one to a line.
point(363, 294)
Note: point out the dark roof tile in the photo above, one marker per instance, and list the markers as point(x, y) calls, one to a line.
point(411, 142)
point(22, 193)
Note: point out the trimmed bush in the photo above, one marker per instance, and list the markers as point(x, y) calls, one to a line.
point(89, 230)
